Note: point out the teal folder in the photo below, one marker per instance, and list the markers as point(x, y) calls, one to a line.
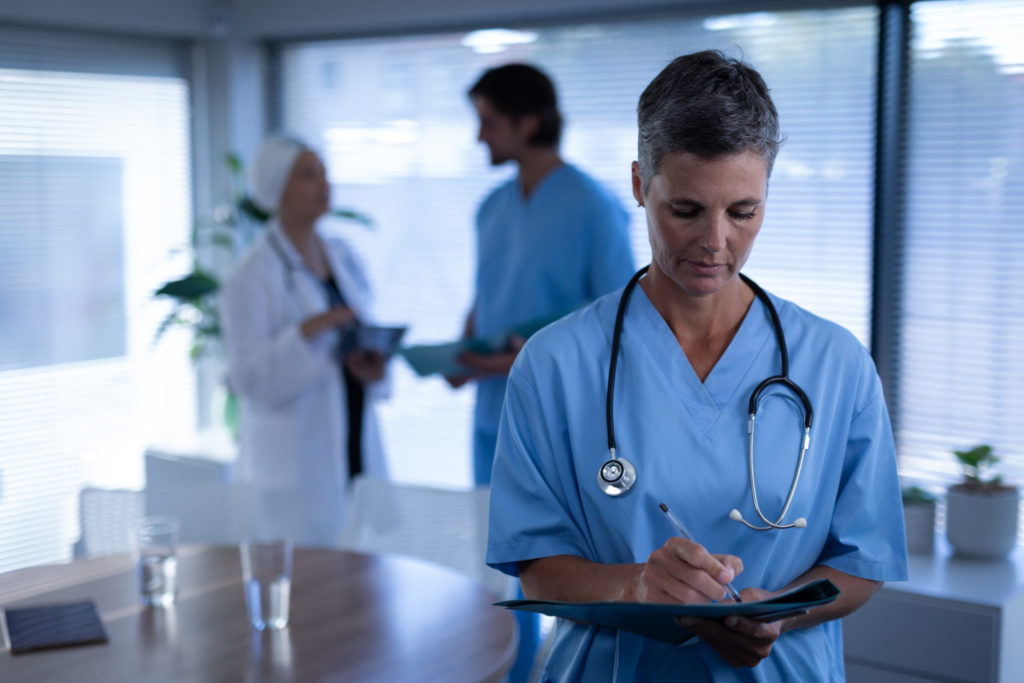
point(657, 620)
point(439, 359)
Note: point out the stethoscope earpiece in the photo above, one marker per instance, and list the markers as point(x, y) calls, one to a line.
point(799, 523)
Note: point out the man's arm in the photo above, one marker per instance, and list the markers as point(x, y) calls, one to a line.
point(456, 381)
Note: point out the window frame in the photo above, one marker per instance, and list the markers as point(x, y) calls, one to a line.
point(889, 204)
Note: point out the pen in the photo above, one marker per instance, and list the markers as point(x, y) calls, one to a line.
point(686, 534)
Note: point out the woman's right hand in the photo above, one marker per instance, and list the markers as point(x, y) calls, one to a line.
point(683, 571)
point(315, 325)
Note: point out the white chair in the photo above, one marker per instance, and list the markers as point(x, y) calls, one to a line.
point(107, 517)
point(448, 527)
point(207, 512)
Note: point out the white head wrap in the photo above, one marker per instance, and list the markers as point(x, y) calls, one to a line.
point(270, 171)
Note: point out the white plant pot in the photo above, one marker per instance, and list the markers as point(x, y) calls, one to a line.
point(919, 519)
point(982, 525)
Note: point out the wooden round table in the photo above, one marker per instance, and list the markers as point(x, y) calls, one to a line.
point(353, 618)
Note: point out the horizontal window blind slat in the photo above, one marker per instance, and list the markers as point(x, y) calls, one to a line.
point(94, 195)
point(960, 382)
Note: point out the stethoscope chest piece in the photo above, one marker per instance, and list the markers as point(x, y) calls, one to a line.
point(616, 476)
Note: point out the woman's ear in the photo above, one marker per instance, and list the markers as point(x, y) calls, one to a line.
point(638, 185)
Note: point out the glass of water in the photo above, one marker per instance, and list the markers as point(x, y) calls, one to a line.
point(156, 550)
point(267, 579)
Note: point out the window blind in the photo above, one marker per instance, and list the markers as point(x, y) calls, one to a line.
point(94, 201)
point(962, 361)
point(391, 118)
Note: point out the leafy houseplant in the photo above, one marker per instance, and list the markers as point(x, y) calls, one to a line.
point(975, 463)
point(919, 519)
point(981, 511)
point(214, 244)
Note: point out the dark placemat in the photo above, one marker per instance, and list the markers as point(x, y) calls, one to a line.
point(51, 626)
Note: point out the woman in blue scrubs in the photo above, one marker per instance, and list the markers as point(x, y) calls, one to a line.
point(695, 343)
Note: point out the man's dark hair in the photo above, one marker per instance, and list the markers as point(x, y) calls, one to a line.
point(518, 90)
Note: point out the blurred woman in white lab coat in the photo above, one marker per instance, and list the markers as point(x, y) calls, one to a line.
point(307, 419)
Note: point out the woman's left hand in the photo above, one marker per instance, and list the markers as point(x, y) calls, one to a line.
point(365, 365)
point(739, 640)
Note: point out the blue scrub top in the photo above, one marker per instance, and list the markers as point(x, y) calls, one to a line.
point(688, 441)
point(539, 258)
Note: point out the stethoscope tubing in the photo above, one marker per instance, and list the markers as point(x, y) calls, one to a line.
point(289, 266)
point(613, 363)
point(617, 475)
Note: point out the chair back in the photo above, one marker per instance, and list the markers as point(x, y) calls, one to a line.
point(445, 526)
point(108, 518)
point(207, 512)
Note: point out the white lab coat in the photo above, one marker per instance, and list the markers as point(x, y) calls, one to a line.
point(294, 427)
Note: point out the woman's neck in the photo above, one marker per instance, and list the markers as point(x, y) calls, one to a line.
point(703, 326)
point(302, 235)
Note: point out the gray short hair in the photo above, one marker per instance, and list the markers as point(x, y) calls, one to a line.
point(709, 105)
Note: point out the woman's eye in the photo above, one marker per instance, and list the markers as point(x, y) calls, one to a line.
point(743, 216)
point(684, 214)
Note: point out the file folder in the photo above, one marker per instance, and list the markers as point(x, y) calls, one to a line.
point(657, 620)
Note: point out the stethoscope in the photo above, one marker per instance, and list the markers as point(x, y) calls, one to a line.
point(289, 265)
point(617, 475)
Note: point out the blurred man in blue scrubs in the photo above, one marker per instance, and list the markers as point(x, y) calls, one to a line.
point(549, 240)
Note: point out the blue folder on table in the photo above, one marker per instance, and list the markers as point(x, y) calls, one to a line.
point(45, 627)
point(657, 620)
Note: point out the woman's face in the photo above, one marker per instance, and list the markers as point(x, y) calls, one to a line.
point(307, 195)
point(703, 216)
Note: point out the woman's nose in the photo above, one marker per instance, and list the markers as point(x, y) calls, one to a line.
point(714, 234)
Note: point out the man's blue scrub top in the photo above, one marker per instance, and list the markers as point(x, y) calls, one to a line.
point(688, 441)
point(538, 258)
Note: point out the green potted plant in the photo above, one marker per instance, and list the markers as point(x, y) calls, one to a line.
point(919, 519)
point(213, 245)
point(981, 511)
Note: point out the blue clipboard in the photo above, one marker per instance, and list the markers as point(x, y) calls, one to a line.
point(384, 340)
point(657, 620)
point(440, 359)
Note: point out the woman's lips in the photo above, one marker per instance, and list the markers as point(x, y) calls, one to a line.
point(706, 268)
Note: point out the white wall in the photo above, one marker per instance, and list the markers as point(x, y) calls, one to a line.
point(185, 18)
point(292, 18)
point(276, 18)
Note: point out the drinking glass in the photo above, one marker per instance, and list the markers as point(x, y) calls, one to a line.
point(267, 579)
point(156, 550)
